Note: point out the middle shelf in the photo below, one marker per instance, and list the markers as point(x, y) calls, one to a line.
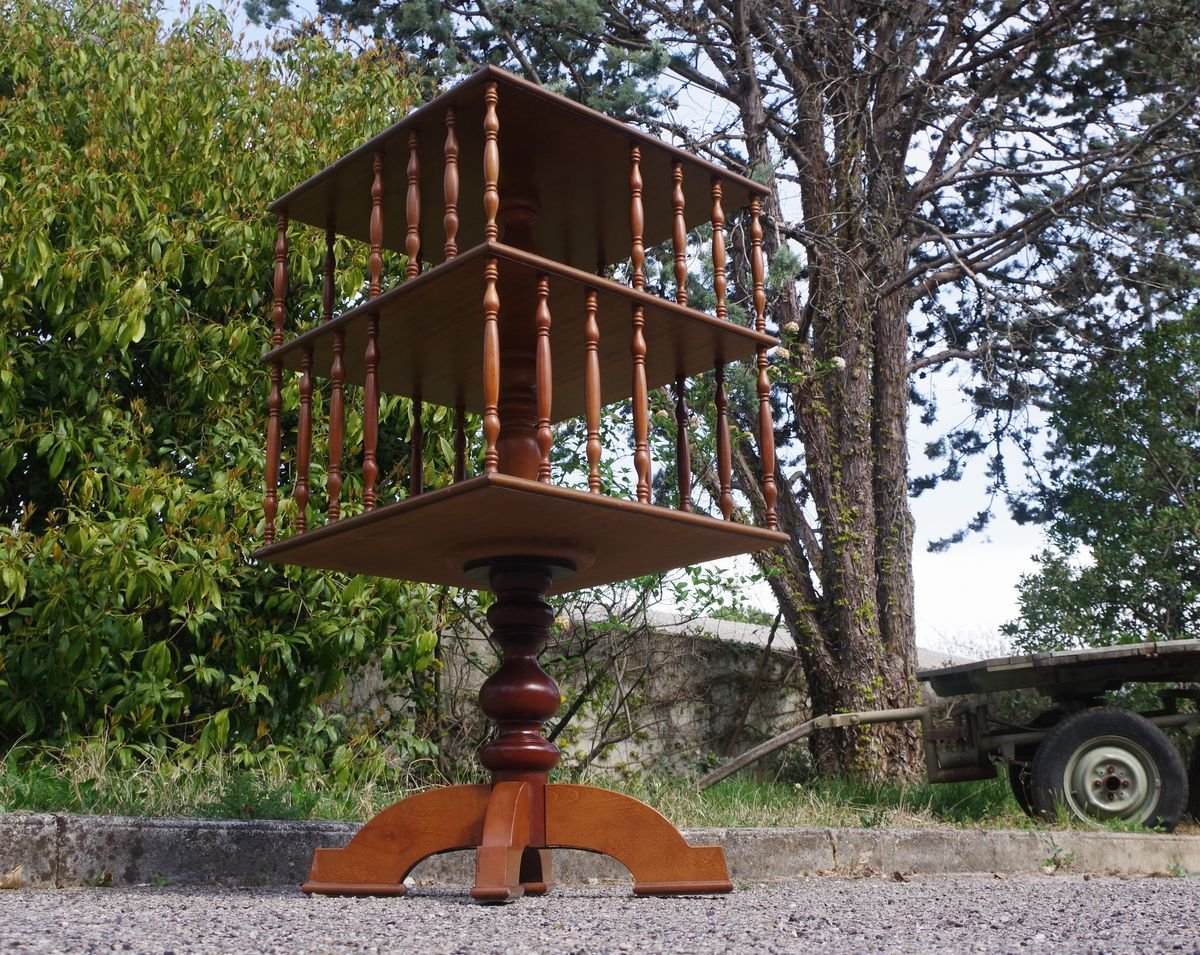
point(431, 332)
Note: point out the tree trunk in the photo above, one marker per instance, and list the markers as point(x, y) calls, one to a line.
point(844, 584)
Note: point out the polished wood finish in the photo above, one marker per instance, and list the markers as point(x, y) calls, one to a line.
point(683, 451)
point(385, 850)
point(499, 822)
point(757, 265)
point(304, 441)
point(375, 261)
point(275, 394)
point(641, 406)
point(637, 220)
point(460, 444)
point(724, 459)
point(545, 435)
point(720, 281)
point(450, 186)
point(337, 379)
point(580, 171)
point(328, 274)
point(591, 334)
point(337, 425)
point(370, 466)
point(569, 178)
point(679, 237)
point(505, 838)
point(520, 696)
point(513, 823)
point(416, 466)
point(491, 366)
point(766, 429)
point(656, 855)
point(443, 360)
point(412, 237)
point(498, 513)
point(491, 163)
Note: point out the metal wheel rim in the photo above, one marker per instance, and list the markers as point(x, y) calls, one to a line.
point(1111, 777)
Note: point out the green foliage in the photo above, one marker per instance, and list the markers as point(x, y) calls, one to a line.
point(1122, 501)
point(99, 776)
point(90, 777)
point(135, 168)
point(449, 39)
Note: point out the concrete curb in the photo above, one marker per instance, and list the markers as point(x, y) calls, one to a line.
point(62, 850)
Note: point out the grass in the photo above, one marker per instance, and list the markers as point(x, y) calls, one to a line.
point(95, 778)
point(828, 803)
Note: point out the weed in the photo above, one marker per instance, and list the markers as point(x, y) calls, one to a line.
point(1058, 859)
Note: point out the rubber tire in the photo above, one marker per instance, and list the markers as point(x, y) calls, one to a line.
point(1150, 748)
point(1020, 771)
point(1194, 782)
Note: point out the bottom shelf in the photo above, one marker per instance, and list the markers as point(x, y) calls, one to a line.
point(432, 537)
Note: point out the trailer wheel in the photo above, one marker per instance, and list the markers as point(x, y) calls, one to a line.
point(1194, 783)
point(1020, 770)
point(1110, 764)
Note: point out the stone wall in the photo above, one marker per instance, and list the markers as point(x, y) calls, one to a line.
point(634, 698)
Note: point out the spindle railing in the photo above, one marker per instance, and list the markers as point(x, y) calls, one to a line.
point(501, 317)
point(547, 354)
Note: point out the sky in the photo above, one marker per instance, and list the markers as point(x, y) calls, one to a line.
point(962, 595)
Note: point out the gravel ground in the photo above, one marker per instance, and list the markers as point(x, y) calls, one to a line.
point(1058, 913)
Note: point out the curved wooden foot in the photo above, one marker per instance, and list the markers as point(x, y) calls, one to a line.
point(642, 840)
point(505, 839)
point(535, 871)
point(385, 850)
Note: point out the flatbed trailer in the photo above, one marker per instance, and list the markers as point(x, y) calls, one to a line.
point(1097, 762)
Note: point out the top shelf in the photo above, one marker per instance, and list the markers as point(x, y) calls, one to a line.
point(572, 160)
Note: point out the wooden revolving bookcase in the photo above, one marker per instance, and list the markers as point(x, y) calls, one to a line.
point(505, 312)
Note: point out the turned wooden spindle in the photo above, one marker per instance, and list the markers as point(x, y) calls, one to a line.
point(280, 287)
point(416, 470)
point(718, 249)
point(337, 383)
point(491, 366)
point(724, 458)
point(370, 466)
point(637, 218)
point(371, 354)
point(328, 292)
point(337, 425)
point(683, 451)
point(545, 436)
point(450, 187)
point(680, 232)
point(375, 261)
point(491, 163)
point(641, 407)
point(304, 440)
point(591, 389)
point(460, 444)
point(520, 696)
point(412, 209)
point(275, 395)
point(766, 429)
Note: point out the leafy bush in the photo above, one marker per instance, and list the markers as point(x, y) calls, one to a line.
point(136, 164)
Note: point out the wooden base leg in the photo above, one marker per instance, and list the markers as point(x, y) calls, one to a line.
point(535, 871)
point(658, 857)
point(385, 850)
point(505, 839)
